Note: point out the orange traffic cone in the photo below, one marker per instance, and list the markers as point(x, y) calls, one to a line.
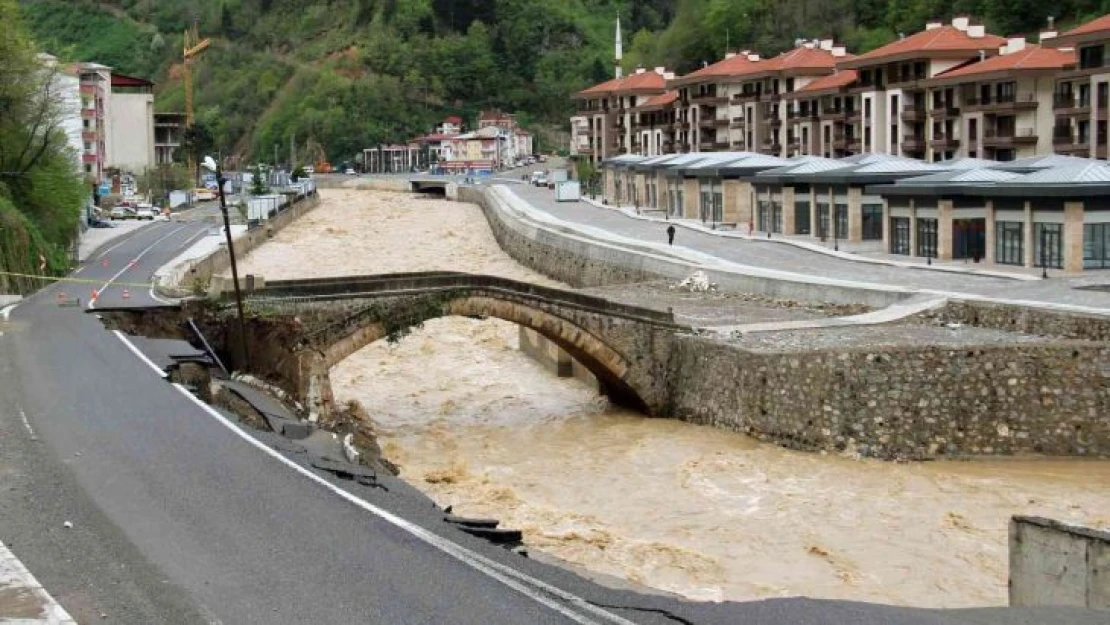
point(95, 294)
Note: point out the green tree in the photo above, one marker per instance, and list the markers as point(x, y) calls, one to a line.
point(41, 192)
point(258, 182)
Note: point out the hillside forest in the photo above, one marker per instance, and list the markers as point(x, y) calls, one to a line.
point(353, 73)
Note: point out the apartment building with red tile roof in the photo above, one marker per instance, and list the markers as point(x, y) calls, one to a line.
point(1082, 94)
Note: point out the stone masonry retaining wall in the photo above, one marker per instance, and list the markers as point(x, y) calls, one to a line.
point(550, 254)
point(1013, 318)
point(902, 403)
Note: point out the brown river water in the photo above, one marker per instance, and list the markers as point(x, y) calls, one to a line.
point(687, 509)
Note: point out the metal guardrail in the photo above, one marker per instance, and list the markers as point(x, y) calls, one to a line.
point(415, 283)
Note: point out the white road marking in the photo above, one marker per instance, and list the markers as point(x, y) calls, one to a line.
point(6, 311)
point(79, 270)
point(14, 577)
point(527, 585)
point(135, 350)
point(27, 425)
point(126, 238)
point(129, 265)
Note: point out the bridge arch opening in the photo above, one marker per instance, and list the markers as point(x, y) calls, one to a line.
point(607, 365)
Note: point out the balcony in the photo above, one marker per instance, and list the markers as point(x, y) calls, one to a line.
point(709, 100)
point(853, 116)
point(89, 158)
point(833, 115)
point(802, 115)
point(1068, 104)
point(913, 113)
point(720, 146)
point(944, 111)
point(89, 135)
point(746, 96)
point(1008, 104)
point(771, 147)
point(855, 145)
point(738, 144)
point(775, 122)
point(681, 125)
point(707, 145)
point(839, 142)
point(944, 142)
point(913, 143)
point(737, 122)
point(993, 138)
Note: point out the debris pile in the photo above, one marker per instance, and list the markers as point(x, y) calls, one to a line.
point(698, 282)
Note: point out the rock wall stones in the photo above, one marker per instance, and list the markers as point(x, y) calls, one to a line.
point(1012, 318)
point(902, 403)
point(577, 268)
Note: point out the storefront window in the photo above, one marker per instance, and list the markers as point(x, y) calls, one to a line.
point(927, 237)
point(823, 229)
point(900, 235)
point(776, 216)
point(1096, 246)
point(1009, 242)
point(1048, 242)
point(872, 222)
point(841, 221)
point(801, 218)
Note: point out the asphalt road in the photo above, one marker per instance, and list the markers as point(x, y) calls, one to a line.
point(179, 517)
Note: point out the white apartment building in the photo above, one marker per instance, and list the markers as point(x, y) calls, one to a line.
point(130, 124)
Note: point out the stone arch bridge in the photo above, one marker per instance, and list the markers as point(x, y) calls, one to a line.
point(297, 330)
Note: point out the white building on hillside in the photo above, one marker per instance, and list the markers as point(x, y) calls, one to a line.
point(130, 124)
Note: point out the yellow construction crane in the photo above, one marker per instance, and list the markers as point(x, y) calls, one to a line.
point(194, 45)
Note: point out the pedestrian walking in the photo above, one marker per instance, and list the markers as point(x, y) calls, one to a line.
point(670, 234)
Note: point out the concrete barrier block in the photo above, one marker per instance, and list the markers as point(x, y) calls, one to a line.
point(1055, 564)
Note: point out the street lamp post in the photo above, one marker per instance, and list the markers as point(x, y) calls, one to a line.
point(212, 166)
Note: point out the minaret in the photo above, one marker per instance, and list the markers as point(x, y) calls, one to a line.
point(619, 49)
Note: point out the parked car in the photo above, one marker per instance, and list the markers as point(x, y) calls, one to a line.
point(100, 223)
point(122, 212)
point(309, 169)
point(145, 212)
point(350, 172)
point(205, 195)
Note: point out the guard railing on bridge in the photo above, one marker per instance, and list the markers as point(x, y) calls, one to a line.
point(347, 287)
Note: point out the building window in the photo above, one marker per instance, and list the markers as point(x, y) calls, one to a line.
point(88, 147)
point(872, 222)
point(801, 217)
point(1009, 243)
point(927, 237)
point(1048, 245)
point(823, 229)
point(900, 235)
point(1096, 246)
point(776, 216)
point(1090, 57)
point(88, 168)
point(841, 221)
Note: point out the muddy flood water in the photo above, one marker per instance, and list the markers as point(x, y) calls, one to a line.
point(686, 509)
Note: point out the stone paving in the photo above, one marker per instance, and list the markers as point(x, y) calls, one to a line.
point(878, 337)
point(784, 257)
point(710, 309)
